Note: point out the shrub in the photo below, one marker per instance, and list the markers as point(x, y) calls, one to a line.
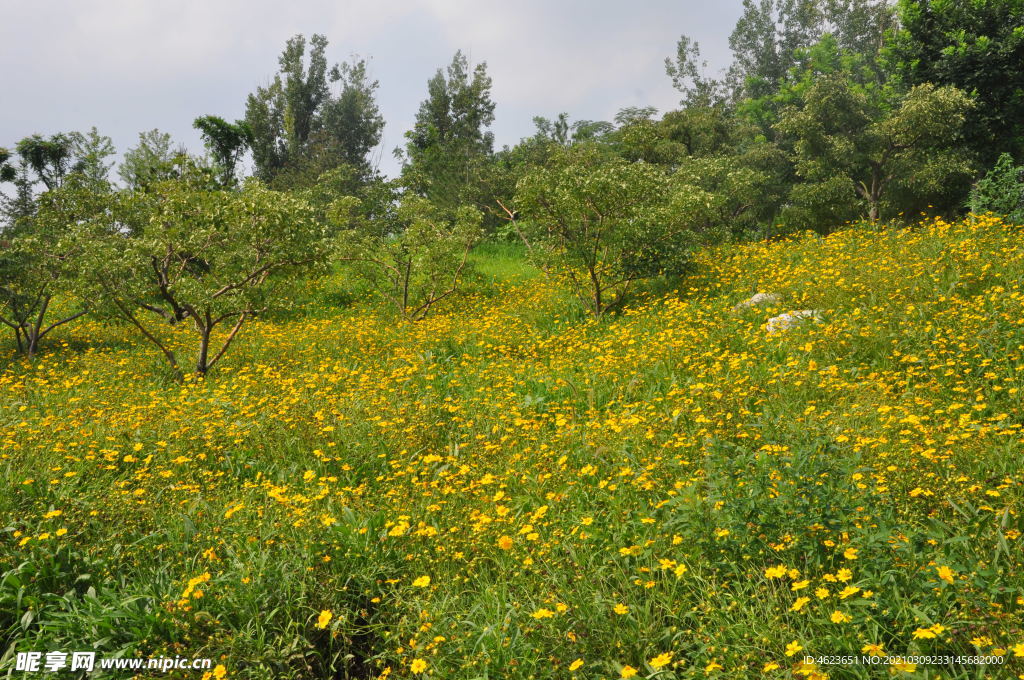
point(1000, 191)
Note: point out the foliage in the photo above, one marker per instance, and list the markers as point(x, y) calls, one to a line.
point(849, 147)
point(50, 159)
point(770, 34)
point(154, 159)
point(604, 223)
point(296, 117)
point(977, 47)
point(283, 115)
point(687, 72)
point(226, 142)
point(185, 251)
point(446, 153)
point(1000, 191)
point(91, 151)
point(38, 263)
point(353, 118)
point(7, 171)
point(414, 260)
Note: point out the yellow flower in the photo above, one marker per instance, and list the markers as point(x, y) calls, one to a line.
point(850, 553)
point(418, 666)
point(621, 609)
point(840, 617)
point(848, 591)
point(627, 672)
point(1018, 649)
point(220, 672)
point(575, 664)
point(945, 573)
point(505, 542)
point(873, 650)
point(775, 572)
point(821, 593)
point(324, 619)
point(542, 613)
point(713, 666)
point(793, 647)
point(661, 660)
point(800, 602)
point(770, 666)
point(844, 575)
point(929, 632)
point(680, 570)
point(799, 585)
point(422, 582)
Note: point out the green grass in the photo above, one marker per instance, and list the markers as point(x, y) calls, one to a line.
point(667, 461)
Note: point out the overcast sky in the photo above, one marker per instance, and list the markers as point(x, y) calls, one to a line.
point(131, 65)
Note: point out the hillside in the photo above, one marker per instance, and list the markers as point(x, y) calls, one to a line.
point(511, 489)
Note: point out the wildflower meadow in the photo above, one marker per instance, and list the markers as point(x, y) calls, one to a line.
point(511, 488)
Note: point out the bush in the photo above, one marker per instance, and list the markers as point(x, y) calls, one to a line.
point(1000, 191)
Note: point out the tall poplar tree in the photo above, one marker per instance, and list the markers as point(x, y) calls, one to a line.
point(446, 153)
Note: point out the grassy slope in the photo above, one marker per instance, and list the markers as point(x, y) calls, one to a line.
point(666, 486)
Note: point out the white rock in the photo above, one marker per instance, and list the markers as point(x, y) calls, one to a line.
point(757, 299)
point(783, 322)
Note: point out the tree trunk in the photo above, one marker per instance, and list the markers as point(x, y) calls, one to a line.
point(204, 350)
point(598, 302)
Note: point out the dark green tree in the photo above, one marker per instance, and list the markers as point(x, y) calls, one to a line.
point(447, 151)
point(283, 115)
point(7, 171)
point(50, 159)
point(352, 119)
point(978, 47)
point(297, 125)
point(226, 142)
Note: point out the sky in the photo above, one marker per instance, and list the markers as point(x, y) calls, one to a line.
point(126, 66)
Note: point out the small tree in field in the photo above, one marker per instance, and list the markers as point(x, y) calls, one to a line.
point(38, 263)
point(414, 258)
point(604, 223)
point(184, 252)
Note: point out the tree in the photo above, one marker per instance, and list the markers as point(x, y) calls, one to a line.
point(226, 142)
point(447, 150)
point(604, 223)
point(283, 115)
point(50, 159)
point(687, 74)
point(353, 119)
point(415, 260)
point(769, 34)
point(182, 251)
point(37, 262)
point(91, 151)
point(7, 171)
point(296, 121)
point(977, 47)
point(851, 150)
point(23, 203)
point(153, 160)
